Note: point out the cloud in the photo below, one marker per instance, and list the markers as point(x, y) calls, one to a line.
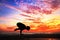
point(38, 15)
point(55, 3)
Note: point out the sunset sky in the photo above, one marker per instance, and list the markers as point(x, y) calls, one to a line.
point(40, 15)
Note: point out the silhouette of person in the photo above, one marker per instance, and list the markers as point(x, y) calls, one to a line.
point(22, 27)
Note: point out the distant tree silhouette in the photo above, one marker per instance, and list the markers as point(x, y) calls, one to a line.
point(22, 27)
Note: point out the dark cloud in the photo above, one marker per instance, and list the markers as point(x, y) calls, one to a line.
point(10, 27)
point(55, 3)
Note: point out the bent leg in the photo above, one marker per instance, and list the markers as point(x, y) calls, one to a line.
point(16, 29)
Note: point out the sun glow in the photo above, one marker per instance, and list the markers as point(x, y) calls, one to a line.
point(40, 19)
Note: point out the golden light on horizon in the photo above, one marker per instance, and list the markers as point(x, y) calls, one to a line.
point(40, 17)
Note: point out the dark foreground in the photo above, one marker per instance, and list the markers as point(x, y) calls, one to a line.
point(31, 37)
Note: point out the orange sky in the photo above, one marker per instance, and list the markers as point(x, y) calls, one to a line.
point(46, 19)
point(49, 23)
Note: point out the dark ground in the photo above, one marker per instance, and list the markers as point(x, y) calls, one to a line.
point(28, 36)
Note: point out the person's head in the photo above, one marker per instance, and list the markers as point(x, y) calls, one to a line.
point(28, 28)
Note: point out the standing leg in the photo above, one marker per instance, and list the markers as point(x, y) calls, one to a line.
point(21, 35)
point(20, 32)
